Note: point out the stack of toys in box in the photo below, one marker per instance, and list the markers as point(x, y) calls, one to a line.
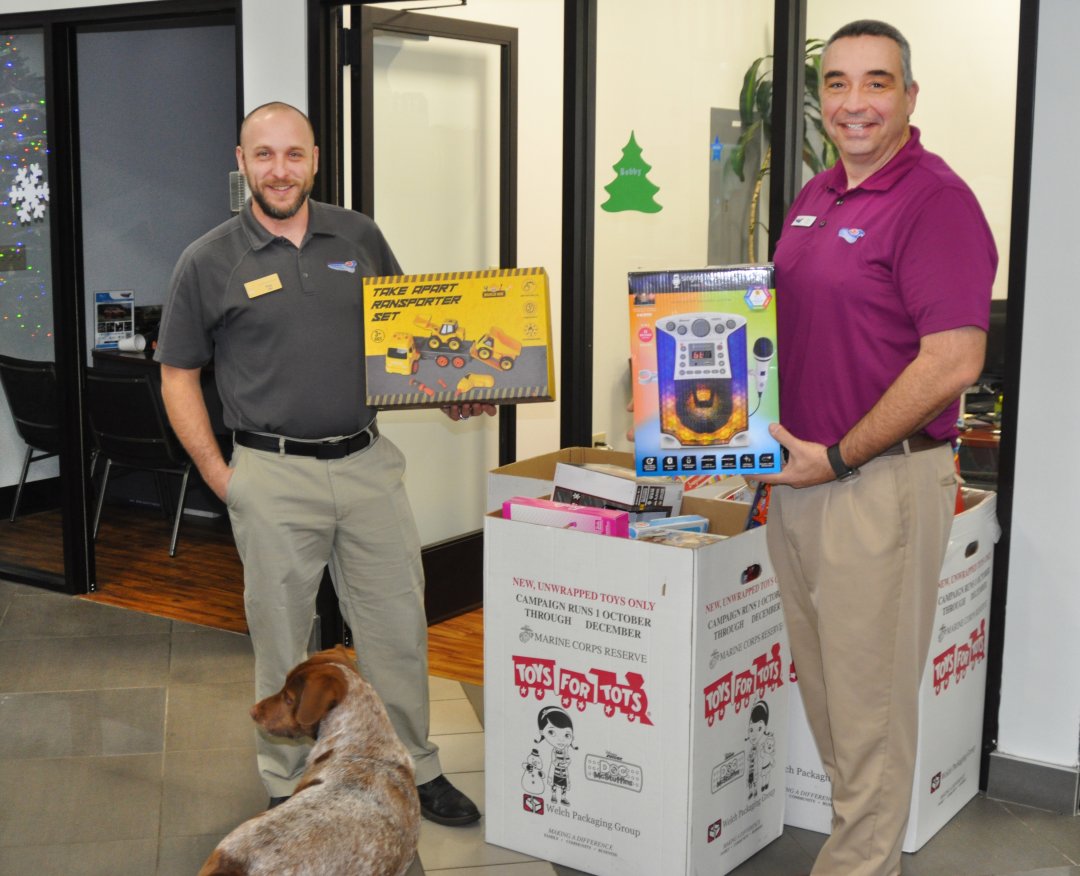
point(611, 500)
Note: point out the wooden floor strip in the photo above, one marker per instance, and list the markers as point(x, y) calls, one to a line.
point(203, 584)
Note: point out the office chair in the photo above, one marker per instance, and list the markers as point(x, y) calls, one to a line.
point(130, 429)
point(31, 393)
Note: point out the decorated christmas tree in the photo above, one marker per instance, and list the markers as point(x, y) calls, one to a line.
point(631, 189)
point(25, 303)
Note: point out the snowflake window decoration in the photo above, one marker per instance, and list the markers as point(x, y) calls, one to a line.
point(29, 194)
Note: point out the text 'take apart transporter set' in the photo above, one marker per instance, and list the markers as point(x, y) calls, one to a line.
point(472, 336)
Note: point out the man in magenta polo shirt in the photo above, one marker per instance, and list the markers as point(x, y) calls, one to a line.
point(883, 276)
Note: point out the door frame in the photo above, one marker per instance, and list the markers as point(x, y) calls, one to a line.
point(453, 567)
point(341, 47)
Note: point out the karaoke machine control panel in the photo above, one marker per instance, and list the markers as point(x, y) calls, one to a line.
point(702, 343)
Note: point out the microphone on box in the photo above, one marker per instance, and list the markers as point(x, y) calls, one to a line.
point(763, 355)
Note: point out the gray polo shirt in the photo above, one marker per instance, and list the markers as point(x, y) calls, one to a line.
point(283, 326)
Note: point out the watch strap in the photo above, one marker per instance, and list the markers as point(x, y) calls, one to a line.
point(840, 468)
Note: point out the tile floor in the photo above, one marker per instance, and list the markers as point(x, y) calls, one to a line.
point(126, 750)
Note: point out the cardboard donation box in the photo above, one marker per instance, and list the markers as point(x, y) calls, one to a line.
point(636, 696)
point(703, 367)
point(950, 699)
point(475, 336)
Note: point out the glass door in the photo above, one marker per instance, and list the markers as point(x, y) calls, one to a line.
point(148, 187)
point(433, 162)
point(31, 535)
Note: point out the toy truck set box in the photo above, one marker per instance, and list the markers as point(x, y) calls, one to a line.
point(635, 693)
point(703, 365)
point(950, 699)
point(439, 339)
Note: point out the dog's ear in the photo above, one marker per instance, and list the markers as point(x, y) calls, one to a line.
point(323, 688)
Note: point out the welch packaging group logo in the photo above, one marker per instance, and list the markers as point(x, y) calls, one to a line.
point(532, 804)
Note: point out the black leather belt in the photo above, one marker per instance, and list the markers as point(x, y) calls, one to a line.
point(918, 441)
point(332, 448)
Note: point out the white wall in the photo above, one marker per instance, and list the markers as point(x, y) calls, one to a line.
point(275, 52)
point(1040, 696)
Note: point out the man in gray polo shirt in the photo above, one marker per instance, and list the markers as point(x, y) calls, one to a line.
point(273, 298)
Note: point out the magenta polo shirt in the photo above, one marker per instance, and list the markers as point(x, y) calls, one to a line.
point(861, 275)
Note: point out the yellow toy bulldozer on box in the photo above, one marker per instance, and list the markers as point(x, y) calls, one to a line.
point(445, 334)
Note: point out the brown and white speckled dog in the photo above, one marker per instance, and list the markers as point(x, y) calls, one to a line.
point(355, 810)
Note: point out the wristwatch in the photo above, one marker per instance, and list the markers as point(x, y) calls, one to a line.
point(841, 469)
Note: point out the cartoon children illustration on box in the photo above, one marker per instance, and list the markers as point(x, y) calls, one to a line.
point(557, 730)
point(760, 750)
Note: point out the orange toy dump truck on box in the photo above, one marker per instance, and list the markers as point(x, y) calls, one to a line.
point(496, 348)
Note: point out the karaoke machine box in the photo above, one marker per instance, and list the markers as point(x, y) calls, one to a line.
point(703, 367)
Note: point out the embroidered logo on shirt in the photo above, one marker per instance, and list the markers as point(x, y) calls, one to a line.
point(851, 234)
point(349, 266)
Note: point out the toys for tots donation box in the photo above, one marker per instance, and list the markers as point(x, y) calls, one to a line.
point(703, 367)
point(472, 336)
point(636, 698)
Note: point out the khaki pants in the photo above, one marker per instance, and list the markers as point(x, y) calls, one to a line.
point(291, 517)
point(858, 565)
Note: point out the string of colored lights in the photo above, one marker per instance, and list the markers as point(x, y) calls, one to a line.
point(25, 301)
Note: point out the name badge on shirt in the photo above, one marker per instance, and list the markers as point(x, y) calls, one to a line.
point(803, 221)
point(269, 283)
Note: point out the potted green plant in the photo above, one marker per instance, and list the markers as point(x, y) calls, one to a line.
point(755, 111)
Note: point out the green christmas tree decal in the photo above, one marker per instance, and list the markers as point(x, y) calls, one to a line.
point(631, 189)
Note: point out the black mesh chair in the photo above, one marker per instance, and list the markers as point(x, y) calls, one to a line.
point(130, 428)
point(30, 388)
